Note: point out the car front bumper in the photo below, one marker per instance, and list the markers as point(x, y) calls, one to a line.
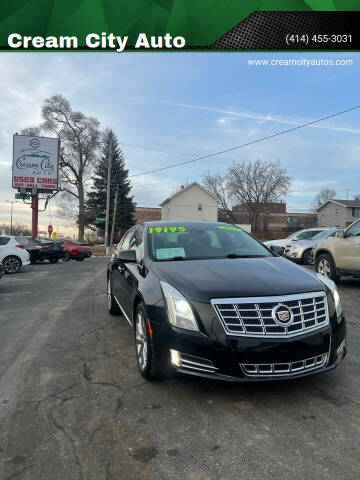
point(223, 357)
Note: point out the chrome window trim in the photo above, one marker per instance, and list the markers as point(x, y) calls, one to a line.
point(270, 299)
point(123, 311)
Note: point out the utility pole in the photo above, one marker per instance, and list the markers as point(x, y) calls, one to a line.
point(347, 194)
point(11, 214)
point(114, 218)
point(107, 249)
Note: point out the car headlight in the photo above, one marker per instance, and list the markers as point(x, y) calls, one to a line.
point(334, 292)
point(179, 310)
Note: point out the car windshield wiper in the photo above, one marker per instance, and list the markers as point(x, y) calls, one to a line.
point(235, 255)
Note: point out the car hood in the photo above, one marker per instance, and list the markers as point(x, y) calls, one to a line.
point(202, 280)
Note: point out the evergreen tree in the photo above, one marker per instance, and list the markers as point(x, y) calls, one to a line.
point(96, 201)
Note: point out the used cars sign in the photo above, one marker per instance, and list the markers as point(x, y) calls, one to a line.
point(35, 162)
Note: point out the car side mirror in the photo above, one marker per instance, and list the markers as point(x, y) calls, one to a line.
point(276, 249)
point(340, 234)
point(127, 256)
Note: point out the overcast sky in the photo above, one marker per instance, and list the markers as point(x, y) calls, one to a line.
point(167, 108)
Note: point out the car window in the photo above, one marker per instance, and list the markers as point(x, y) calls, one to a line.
point(136, 243)
point(4, 240)
point(323, 234)
point(308, 234)
point(202, 241)
point(354, 231)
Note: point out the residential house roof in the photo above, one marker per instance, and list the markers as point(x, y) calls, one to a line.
point(343, 203)
point(186, 188)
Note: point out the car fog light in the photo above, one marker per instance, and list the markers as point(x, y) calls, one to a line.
point(341, 348)
point(175, 357)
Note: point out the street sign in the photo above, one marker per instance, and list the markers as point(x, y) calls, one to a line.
point(54, 235)
point(35, 163)
point(50, 229)
point(100, 219)
point(18, 196)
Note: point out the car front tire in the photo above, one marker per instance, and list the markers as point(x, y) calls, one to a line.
point(325, 266)
point(144, 346)
point(67, 256)
point(12, 264)
point(306, 258)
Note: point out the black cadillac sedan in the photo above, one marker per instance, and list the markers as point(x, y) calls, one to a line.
point(208, 299)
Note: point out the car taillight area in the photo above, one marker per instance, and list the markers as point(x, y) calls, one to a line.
point(20, 246)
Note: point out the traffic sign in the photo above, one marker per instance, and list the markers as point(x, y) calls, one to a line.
point(100, 219)
point(50, 229)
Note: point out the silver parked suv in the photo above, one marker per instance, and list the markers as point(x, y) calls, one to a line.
point(301, 251)
point(338, 256)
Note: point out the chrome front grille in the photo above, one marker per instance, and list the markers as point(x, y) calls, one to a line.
point(279, 369)
point(254, 316)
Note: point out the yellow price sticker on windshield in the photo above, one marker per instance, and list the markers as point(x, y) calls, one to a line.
point(236, 229)
point(166, 229)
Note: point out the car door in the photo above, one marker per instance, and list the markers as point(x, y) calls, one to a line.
point(131, 272)
point(117, 269)
point(350, 248)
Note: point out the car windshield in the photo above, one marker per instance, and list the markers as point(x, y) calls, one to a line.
point(191, 242)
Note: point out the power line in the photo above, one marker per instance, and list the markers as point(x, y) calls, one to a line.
point(246, 144)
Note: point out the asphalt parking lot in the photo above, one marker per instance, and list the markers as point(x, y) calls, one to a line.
point(73, 405)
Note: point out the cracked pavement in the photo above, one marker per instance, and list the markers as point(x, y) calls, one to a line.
point(73, 405)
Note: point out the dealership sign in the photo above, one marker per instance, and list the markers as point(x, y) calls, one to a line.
point(35, 162)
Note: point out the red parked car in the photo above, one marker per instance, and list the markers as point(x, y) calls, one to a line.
point(75, 250)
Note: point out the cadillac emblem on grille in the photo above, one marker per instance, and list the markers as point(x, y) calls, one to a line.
point(282, 315)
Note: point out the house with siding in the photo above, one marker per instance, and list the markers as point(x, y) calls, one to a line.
point(192, 202)
point(338, 213)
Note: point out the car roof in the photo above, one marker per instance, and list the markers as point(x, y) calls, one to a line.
point(165, 223)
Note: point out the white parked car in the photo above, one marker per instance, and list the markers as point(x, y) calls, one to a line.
point(12, 254)
point(305, 234)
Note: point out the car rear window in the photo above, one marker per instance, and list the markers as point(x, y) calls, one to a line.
point(4, 240)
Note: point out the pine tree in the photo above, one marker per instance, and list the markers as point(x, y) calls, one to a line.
point(96, 201)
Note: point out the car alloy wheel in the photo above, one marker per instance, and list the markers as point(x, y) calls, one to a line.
point(141, 341)
point(324, 268)
point(11, 264)
point(67, 256)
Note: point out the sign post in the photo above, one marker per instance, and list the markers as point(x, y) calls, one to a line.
point(35, 215)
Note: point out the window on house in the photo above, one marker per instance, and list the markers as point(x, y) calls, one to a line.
point(200, 207)
point(336, 211)
point(355, 211)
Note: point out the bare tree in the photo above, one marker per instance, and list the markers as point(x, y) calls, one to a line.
point(323, 196)
point(254, 183)
point(17, 229)
point(217, 184)
point(357, 197)
point(79, 144)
